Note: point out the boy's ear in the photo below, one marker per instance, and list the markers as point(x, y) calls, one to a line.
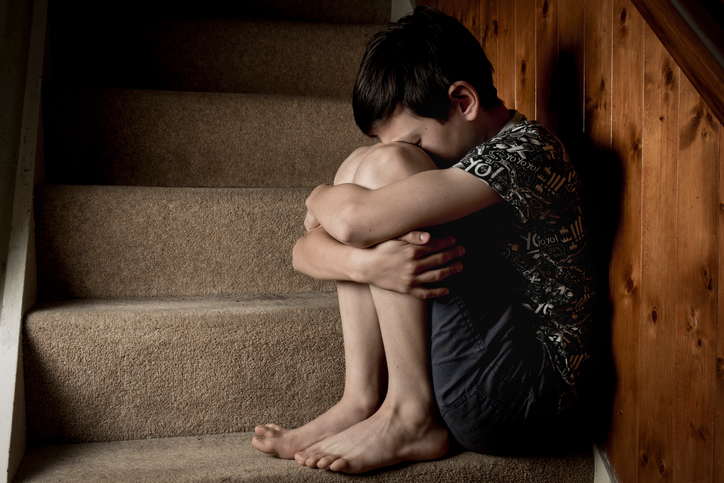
point(464, 97)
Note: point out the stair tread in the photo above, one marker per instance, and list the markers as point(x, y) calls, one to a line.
point(241, 303)
point(231, 457)
point(162, 138)
point(120, 241)
point(106, 370)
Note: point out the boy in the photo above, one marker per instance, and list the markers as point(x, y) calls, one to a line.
point(492, 360)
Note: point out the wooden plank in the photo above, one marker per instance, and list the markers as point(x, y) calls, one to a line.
point(692, 54)
point(488, 13)
point(657, 339)
point(525, 57)
point(697, 270)
point(468, 13)
point(506, 53)
point(546, 62)
point(719, 417)
point(570, 69)
point(614, 112)
point(598, 19)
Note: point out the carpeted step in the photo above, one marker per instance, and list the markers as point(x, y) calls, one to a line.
point(163, 138)
point(112, 241)
point(105, 370)
point(213, 55)
point(230, 457)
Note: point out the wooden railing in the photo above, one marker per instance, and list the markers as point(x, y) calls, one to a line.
point(695, 41)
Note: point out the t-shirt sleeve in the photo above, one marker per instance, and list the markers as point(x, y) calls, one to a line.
point(524, 165)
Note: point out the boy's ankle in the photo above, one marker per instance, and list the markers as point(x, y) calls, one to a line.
point(365, 404)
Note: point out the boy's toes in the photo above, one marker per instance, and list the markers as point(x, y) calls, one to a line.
point(326, 461)
point(340, 464)
point(268, 430)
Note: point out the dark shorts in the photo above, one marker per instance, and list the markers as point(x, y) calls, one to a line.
point(494, 387)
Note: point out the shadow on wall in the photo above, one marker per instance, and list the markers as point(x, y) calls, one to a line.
point(601, 178)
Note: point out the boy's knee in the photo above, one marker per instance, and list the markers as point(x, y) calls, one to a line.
point(387, 163)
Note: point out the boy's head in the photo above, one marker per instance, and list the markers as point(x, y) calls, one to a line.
point(413, 63)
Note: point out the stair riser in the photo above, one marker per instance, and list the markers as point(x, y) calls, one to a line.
point(128, 374)
point(151, 138)
point(107, 242)
point(211, 55)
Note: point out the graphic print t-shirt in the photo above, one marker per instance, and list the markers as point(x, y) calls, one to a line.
point(546, 245)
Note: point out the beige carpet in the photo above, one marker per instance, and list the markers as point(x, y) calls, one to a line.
point(112, 241)
point(119, 369)
point(163, 138)
point(231, 458)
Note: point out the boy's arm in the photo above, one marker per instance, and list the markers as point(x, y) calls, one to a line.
point(403, 265)
point(361, 218)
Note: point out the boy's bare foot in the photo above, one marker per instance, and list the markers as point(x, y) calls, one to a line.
point(273, 439)
point(390, 436)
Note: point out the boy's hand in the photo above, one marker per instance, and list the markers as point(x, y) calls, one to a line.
point(407, 263)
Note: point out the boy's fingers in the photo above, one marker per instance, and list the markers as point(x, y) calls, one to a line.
point(428, 293)
point(439, 274)
point(416, 237)
point(440, 258)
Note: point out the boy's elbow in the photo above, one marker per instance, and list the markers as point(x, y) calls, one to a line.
point(349, 227)
point(296, 257)
point(301, 256)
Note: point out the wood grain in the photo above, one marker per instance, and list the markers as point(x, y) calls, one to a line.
point(525, 57)
point(688, 49)
point(468, 13)
point(506, 53)
point(658, 279)
point(569, 80)
point(488, 12)
point(696, 287)
point(598, 18)
point(719, 417)
point(616, 27)
point(546, 60)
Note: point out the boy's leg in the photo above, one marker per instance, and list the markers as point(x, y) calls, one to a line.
point(365, 378)
point(406, 425)
point(365, 372)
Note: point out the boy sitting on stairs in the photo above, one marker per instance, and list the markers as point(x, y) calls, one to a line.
point(492, 361)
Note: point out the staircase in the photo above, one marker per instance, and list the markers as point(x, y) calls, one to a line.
point(180, 145)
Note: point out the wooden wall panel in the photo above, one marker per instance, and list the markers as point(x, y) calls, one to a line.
point(506, 53)
point(719, 402)
point(525, 57)
point(603, 78)
point(696, 289)
point(658, 280)
point(625, 39)
point(598, 18)
point(569, 79)
point(546, 63)
point(489, 32)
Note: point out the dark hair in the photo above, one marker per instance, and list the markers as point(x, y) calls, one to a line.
point(413, 63)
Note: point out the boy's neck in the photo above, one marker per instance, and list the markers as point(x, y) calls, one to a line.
point(490, 121)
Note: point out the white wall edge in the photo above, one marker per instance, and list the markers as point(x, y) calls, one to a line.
point(602, 470)
point(400, 8)
point(15, 297)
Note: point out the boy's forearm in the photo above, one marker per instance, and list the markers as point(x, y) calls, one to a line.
point(360, 217)
point(332, 207)
point(320, 256)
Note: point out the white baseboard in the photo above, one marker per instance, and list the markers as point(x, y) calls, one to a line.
point(602, 470)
